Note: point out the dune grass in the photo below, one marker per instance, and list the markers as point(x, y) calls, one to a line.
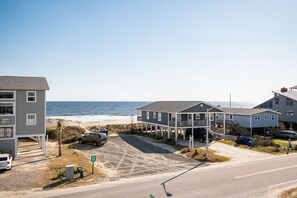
point(291, 193)
point(53, 175)
point(199, 154)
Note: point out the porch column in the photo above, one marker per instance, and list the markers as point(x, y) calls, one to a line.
point(142, 127)
point(162, 133)
point(169, 131)
point(43, 144)
point(151, 127)
point(193, 130)
point(175, 127)
point(184, 135)
point(224, 125)
point(145, 128)
point(251, 127)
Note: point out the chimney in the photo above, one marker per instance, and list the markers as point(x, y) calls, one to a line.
point(284, 89)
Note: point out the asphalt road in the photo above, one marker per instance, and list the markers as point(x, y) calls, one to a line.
point(251, 179)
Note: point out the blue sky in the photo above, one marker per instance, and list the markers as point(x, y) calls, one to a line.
point(152, 50)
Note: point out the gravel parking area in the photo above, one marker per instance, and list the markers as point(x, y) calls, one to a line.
point(128, 156)
point(24, 168)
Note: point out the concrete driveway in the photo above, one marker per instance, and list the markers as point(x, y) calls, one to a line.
point(128, 156)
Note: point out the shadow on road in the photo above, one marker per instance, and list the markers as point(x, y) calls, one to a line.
point(163, 183)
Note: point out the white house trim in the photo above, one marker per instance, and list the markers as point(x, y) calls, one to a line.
point(27, 95)
point(8, 99)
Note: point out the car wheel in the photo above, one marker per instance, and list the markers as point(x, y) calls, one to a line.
point(80, 141)
point(95, 143)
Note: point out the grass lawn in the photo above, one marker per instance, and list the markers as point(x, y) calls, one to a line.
point(199, 155)
point(264, 149)
point(291, 193)
point(53, 175)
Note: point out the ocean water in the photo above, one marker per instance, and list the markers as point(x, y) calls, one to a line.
point(110, 108)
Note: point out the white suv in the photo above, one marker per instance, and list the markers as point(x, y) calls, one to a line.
point(5, 161)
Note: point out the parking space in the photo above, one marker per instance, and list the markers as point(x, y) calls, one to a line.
point(128, 156)
point(24, 168)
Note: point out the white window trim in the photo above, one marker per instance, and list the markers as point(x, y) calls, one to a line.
point(159, 117)
point(272, 117)
point(13, 132)
point(147, 115)
point(257, 117)
point(12, 107)
point(29, 124)
point(27, 93)
point(154, 115)
point(8, 99)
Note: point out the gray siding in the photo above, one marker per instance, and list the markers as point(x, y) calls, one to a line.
point(244, 120)
point(164, 118)
point(282, 107)
point(8, 144)
point(265, 123)
point(23, 108)
point(7, 120)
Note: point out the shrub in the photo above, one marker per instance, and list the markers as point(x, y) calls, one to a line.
point(70, 134)
point(52, 133)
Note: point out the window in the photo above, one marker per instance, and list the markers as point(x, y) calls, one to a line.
point(159, 117)
point(290, 113)
point(289, 102)
point(6, 109)
point(230, 117)
point(276, 100)
point(265, 117)
point(6, 95)
point(272, 117)
point(6, 132)
point(257, 117)
point(147, 115)
point(211, 117)
point(197, 116)
point(5, 121)
point(154, 115)
point(172, 117)
point(31, 96)
point(31, 119)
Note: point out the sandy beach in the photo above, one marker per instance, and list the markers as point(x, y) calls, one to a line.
point(94, 120)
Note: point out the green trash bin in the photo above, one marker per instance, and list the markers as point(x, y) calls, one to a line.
point(81, 172)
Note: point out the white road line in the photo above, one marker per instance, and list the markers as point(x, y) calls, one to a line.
point(281, 184)
point(266, 171)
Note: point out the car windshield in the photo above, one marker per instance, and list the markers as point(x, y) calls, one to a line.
point(3, 159)
point(102, 135)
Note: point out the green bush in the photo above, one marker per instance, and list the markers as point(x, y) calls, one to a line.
point(52, 133)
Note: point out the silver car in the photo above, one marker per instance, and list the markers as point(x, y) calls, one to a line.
point(5, 161)
point(285, 134)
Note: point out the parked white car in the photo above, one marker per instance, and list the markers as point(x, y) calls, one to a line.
point(5, 161)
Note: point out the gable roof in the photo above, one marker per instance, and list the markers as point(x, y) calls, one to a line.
point(294, 87)
point(245, 111)
point(23, 83)
point(171, 106)
point(289, 94)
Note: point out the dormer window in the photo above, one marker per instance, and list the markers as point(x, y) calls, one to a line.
point(31, 96)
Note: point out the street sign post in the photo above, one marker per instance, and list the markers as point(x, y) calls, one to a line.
point(93, 159)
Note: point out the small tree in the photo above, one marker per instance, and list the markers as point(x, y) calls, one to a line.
point(59, 129)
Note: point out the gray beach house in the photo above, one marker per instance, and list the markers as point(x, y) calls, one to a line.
point(22, 110)
point(177, 116)
point(285, 102)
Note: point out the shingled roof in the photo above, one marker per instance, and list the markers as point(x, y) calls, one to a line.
point(245, 111)
point(172, 106)
point(23, 83)
point(289, 94)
